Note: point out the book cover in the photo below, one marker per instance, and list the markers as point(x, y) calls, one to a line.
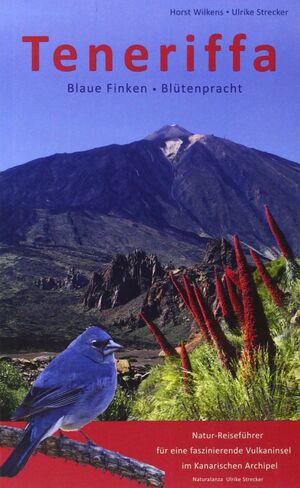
point(149, 243)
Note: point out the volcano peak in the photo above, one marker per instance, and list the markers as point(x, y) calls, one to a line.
point(173, 131)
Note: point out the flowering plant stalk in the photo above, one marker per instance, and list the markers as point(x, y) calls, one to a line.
point(232, 275)
point(225, 303)
point(186, 296)
point(195, 309)
point(256, 330)
point(276, 294)
point(226, 351)
point(186, 368)
point(167, 348)
point(180, 290)
point(235, 300)
point(279, 236)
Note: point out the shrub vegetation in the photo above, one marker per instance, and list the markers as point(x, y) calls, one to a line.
point(253, 394)
point(12, 389)
point(250, 374)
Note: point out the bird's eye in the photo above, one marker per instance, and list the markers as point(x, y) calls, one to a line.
point(99, 344)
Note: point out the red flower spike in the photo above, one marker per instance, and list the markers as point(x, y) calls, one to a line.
point(235, 300)
point(256, 330)
point(186, 368)
point(226, 352)
point(279, 236)
point(275, 292)
point(195, 309)
point(224, 302)
point(180, 291)
point(188, 292)
point(168, 349)
point(191, 306)
point(232, 275)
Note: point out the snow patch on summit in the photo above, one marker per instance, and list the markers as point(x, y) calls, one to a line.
point(196, 138)
point(171, 148)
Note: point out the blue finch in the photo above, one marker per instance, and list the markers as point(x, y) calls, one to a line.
point(74, 388)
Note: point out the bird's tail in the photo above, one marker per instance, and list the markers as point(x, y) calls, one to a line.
point(20, 455)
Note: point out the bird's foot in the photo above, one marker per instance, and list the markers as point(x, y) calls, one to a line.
point(90, 445)
point(61, 439)
point(89, 442)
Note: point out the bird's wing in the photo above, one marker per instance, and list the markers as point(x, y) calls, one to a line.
point(40, 399)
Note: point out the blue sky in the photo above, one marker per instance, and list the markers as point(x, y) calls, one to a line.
point(39, 118)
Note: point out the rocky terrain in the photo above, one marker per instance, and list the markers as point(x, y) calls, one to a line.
point(143, 277)
point(114, 297)
point(124, 279)
point(72, 281)
point(71, 224)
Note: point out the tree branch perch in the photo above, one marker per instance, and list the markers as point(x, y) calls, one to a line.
point(92, 455)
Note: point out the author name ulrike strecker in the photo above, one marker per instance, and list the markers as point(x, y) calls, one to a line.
point(128, 88)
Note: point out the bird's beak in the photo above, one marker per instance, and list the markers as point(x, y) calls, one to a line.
point(111, 347)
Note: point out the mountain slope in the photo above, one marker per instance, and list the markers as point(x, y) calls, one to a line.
point(167, 193)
